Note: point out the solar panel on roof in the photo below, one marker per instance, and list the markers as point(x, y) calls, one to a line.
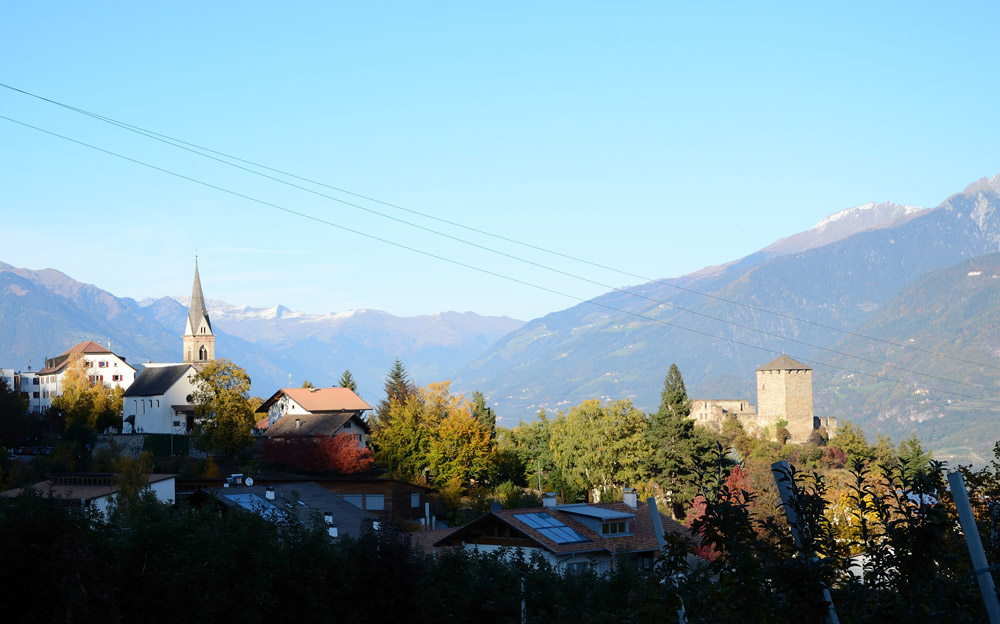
point(551, 528)
point(562, 535)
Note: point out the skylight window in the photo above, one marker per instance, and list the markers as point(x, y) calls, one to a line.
point(551, 528)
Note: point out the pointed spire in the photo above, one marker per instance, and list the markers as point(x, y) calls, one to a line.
point(197, 314)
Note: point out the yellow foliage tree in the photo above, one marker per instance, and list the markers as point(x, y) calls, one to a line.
point(85, 403)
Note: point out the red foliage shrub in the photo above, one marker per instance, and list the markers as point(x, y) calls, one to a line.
point(834, 457)
point(339, 454)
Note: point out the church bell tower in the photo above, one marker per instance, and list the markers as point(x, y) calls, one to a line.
point(199, 341)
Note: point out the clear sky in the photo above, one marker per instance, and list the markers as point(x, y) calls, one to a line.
point(653, 137)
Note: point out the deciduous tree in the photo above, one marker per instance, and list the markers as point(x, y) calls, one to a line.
point(598, 445)
point(225, 419)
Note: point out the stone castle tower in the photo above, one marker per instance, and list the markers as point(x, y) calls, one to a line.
point(199, 341)
point(784, 392)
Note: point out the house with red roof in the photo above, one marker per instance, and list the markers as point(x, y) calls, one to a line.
point(101, 364)
point(314, 413)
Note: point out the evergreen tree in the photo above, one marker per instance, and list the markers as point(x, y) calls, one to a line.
point(398, 389)
point(674, 397)
point(912, 457)
point(484, 414)
point(347, 381)
point(307, 384)
point(677, 447)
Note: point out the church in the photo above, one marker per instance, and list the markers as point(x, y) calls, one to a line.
point(160, 398)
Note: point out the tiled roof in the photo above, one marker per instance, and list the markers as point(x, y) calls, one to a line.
point(87, 347)
point(59, 362)
point(156, 380)
point(312, 424)
point(315, 499)
point(425, 540)
point(783, 363)
point(642, 536)
point(320, 400)
point(85, 486)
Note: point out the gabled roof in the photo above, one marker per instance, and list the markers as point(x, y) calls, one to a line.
point(59, 362)
point(314, 499)
point(642, 537)
point(156, 380)
point(322, 424)
point(87, 347)
point(87, 486)
point(319, 400)
point(783, 363)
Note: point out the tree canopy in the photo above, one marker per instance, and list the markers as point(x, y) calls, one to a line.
point(224, 417)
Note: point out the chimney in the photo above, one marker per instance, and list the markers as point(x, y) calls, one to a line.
point(630, 498)
point(269, 493)
point(549, 499)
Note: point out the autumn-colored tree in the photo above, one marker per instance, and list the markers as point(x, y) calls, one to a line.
point(432, 432)
point(851, 440)
point(86, 405)
point(339, 454)
point(131, 478)
point(461, 448)
point(224, 418)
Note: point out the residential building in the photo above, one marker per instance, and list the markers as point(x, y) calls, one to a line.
point(571, 537)
point(314, 412)
point(96, 490)
point(160, 400)
point(100, 363)
point(304, 500)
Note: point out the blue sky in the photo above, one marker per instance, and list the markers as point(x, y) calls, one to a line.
point(653, 137)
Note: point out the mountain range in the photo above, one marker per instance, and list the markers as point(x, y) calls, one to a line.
point(811, 295)
point(893, 306)
point(42, 313)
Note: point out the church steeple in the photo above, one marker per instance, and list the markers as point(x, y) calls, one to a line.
point(199, 341)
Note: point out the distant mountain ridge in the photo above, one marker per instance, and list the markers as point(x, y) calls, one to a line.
point(590, 351)
point(42, 313)
point(845, 223)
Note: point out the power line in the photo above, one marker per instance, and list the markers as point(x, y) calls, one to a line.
point(205, 152)
point(482, 270)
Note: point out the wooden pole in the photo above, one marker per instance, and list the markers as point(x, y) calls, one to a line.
point(782, 473)
point(975, 544)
